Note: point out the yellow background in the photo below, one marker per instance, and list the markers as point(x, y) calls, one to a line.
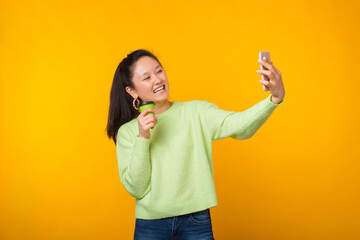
point(296, 178)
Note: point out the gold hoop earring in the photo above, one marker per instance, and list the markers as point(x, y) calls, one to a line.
point(138, 103)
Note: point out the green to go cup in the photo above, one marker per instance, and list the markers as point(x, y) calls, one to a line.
point(145, 105)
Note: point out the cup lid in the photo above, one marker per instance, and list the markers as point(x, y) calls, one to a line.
point(144, 103)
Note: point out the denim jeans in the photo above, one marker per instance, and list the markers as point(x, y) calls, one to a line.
point(192, 226)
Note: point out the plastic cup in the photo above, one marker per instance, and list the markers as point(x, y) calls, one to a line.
point(145, 105)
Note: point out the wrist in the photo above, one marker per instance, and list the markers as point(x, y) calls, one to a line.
point(140, 136)
point(275, 100)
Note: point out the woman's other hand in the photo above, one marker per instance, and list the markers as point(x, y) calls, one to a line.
point(146, 122)
point(275, 84)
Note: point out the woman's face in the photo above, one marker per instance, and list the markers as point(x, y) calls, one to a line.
point(148, 77)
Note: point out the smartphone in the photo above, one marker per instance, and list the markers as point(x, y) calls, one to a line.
point(264, 77)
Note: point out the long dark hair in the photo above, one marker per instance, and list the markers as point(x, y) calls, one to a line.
point(121, 108)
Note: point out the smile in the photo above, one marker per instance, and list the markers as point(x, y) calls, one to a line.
point(159, 90)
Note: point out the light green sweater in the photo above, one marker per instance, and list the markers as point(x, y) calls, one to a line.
point(171, 173)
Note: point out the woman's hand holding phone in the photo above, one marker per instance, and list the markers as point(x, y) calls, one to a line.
point(275, 83)
point(146, 122)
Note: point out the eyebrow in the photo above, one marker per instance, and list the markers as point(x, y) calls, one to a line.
point(155, 68)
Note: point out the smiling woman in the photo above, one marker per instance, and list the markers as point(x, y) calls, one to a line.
point(164, 159)
point(136, 78)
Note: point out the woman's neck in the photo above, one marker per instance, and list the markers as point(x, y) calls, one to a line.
point(161, 107)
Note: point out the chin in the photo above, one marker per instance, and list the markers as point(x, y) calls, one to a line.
point(163, 99)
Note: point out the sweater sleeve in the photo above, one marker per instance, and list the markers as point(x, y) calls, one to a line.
point(134, 163)
point(239, 125)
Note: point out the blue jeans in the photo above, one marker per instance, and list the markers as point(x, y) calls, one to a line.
point(192, 226)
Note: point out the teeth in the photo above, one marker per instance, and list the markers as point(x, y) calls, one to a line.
point(159, 89)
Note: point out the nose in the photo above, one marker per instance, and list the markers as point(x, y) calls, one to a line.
point(157, 79)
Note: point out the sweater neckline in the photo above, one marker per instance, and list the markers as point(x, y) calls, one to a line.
point(168, 111)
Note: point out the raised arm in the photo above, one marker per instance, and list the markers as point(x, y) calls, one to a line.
point(238, 125)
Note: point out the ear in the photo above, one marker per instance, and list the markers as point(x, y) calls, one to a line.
point(131, 92)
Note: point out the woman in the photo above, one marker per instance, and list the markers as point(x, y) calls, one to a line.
point(164, 158)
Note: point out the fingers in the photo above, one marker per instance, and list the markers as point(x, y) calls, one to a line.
point(268, 65)
point(149, 124)
point(266, 83)
point(147, 121)
point(271, 71)
point(149, 118)
point(266, 72)
point(275, 79)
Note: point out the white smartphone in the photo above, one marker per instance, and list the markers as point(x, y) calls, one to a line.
point(264, 77)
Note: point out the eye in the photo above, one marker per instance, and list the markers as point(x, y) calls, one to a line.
point(157, 72)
